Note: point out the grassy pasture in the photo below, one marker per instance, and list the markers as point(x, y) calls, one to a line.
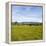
point(26, 32)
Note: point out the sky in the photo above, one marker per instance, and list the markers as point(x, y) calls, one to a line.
point(26, 13)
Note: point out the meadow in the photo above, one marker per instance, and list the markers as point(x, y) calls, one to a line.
point(26, 32)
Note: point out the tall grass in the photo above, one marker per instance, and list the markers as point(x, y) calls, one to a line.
point(26, 32)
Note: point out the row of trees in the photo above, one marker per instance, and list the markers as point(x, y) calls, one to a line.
point(26, 23)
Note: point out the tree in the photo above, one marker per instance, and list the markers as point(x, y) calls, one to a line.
point(16, 22)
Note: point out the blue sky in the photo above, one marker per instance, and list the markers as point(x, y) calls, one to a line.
point(26, 13)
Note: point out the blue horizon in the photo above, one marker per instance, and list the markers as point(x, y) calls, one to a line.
point(26, 13)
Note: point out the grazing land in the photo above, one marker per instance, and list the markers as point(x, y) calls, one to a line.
point(23, 32)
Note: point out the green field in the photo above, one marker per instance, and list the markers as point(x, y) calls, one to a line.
point(26, 32)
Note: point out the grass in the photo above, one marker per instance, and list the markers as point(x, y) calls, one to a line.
point(26, 32)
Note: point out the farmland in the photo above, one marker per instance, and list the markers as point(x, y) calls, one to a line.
point(25, 32)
